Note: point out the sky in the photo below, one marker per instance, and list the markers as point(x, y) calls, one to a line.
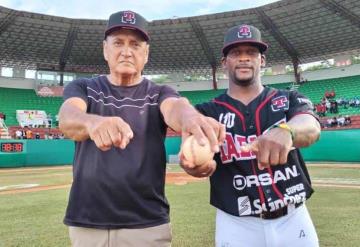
point(150, 9)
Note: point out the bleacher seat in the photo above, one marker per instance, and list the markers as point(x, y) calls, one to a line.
point(14, 99)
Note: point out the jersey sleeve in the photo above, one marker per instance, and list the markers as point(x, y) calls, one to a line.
point(299, 104)
point(201, 108)
point(76, 88)
point(167, 92)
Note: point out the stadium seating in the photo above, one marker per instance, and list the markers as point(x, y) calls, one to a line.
point(196, 97)
point(348, 87)
point(17, 99)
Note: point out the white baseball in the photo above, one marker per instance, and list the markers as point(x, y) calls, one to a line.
point(195, 153)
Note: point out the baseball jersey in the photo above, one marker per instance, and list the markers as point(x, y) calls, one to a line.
point(238, 187)
point(121, 188)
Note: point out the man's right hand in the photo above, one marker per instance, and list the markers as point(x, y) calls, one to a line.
point(109, 131)
point(105, 131)
point(205, 170)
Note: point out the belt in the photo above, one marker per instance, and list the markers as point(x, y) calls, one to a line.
point(266, 215)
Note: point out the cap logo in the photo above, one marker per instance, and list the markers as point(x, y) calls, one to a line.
point(244, 32)
point(128, 17)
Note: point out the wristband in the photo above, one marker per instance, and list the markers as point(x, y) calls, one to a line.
point(285, 127)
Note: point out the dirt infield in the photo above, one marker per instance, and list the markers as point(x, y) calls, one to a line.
point(177, 178)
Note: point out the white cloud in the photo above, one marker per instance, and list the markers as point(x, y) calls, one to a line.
point(150, 9)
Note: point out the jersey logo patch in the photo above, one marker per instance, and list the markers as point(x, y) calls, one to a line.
point(128, 17)
point(244, 205)
point(228, 119)
point(244, 32)
point(279, 103)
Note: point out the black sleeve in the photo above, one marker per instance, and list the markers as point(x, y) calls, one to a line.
point(207, 109)
point(167, 92)
point(76, 88)
point(299, 104)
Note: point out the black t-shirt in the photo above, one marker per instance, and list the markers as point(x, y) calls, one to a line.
point(121, 188)
point(238, 187)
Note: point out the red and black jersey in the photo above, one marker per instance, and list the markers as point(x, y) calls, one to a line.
point(238, 187)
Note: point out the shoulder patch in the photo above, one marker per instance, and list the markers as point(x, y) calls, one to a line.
point(279, 103)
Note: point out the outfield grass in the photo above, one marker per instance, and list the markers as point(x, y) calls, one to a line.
point(37, 176)
point(35, 218)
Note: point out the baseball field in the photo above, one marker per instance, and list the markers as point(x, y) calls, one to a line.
point(33, 201)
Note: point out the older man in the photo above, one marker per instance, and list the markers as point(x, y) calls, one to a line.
point(119, 123)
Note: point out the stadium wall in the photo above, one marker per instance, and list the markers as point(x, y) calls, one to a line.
point(332, 73)
point(39, 153)
point(309, 75)
point(17, 82)
point(333, 146)
point(22, 83)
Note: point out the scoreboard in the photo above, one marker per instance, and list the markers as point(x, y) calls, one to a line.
point(11, 147)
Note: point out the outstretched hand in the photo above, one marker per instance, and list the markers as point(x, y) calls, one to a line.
point(110, 131)
point(204, 170)
point(271, 148)
point(202, 128)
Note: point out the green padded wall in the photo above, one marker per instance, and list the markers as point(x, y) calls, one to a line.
point(49, 152)
point(336, 145)
point(39, 153)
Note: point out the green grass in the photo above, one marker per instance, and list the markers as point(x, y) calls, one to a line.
point(334, 172)
point(37, 176)
point(336, 214)
point(192, 217)
point(35, 218)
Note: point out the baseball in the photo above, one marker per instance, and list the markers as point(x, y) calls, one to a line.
point(196, 153)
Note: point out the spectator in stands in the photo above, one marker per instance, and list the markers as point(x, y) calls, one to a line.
point(333, 106)
point(332, 93)
point(357, 102)
point(352, 102)
point(345, 103)
point(340, 101)
point(46, 136)
point(37, 135)
point(327, 94)
point(50, 136)
point(347, 120)
point(334, 122)
point(321, 109)
point(329, 123)
point(2, 116)
point(29, 134)
point(24, 132)
point(341, 121)
point(18, 134)
point(119, 124)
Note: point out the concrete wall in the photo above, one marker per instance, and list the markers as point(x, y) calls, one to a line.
point(207, 85)
point(17, 82)
point(309, 75)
